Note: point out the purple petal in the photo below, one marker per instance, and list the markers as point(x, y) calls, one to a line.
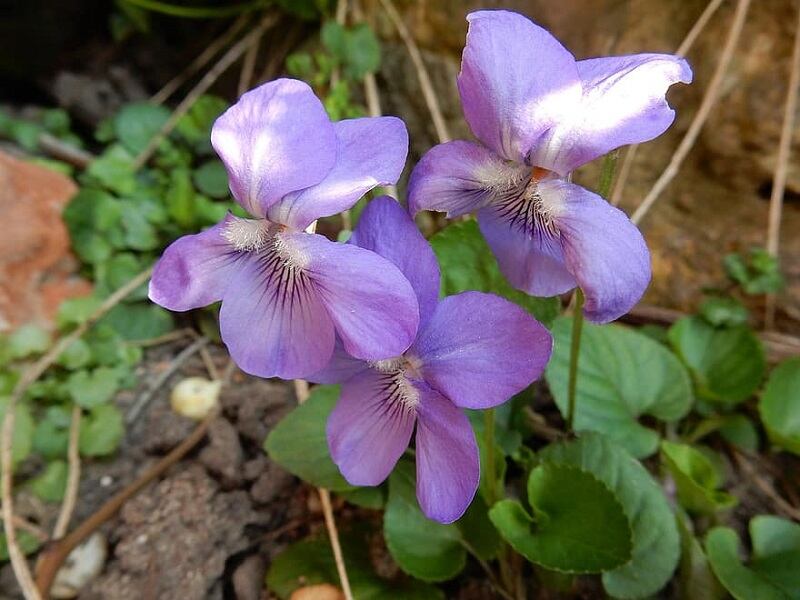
point(194, 270)
point(386, 229)
point(479, 349)
point(274, 321)
point(603, 249)
point(455, 178)
point(276, 139)
point(516, 81)
point(372, 305)
point(372, 152)
point(369, 429)
point(448, 467)
point(340, 368)
point(623, 103)
point(530, 260)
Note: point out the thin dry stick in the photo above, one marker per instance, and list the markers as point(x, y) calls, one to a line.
point(782, 168)
point(230, 57)
point(52, 146)
point(18, 562)
point(201, 61)
point(682, 50)
point(74, 478)
point(422, 72)
point(301, 390)
point(36, 531)
point(766, 488)
point(248, 66)
point(699, 120)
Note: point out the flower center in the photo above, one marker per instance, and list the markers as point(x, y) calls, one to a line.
point(247, 235)
point(396, 371)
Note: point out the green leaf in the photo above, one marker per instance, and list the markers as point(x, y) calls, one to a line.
point(334, 38)
point(51, 484)
point(137, 123)
point(740, 431)
point(137, 225)
point(724, 312)
point(51, 436)
point(28, 544)
point(28, 340)
point(759, 273)
point(467, 263)
point(727, 363)
point(423, 548)
point(114, 170)
point(22, 438)
point(366, 497)
point(622, 376)
point(776, 552)
point(89, 390)
point(76, 311)
point(117, 272)
point(478, 531)
point(180, 198)
point(696, 580)
point(25, 133)
point(89, 216)
point(101, 431)
point(311, 562)
point(212, 179)
point(139, 321)
point(779, 407)
point(722, 548)
point(578, 526)
point(656, 545)
point(696, 478)
point(76, 355)
point(299, 444)
point(195, 125)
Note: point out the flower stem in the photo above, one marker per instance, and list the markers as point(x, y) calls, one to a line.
point(574, 353)
point(607, 171)
point(488, 439)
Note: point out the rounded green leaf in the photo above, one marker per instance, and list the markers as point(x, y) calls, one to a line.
point(578, 525)
point(101, 431)
point(776, 552)
point(299, 443)
point(52, 482)
point(92, 389)
point(696, 479)
point(467, 263)
point(136, 124)
point(22, 438)
point(780, 405)
point(211, 179)
point(27, 341)
point(139, 321)
point(622, 376)
point(76, 355)
point(727, 363)
point(423, 548)
point(656, 545)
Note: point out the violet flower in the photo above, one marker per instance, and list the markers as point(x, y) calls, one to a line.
point(287, 294)
point(472, 350)
point(538, 115)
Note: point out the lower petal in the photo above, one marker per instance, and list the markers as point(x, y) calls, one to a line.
point(370, 428)
point(274, 322)
point(371, 303)
point(604, 250)
point(340, 368)
point(529, 259)
point(194, 270)
point(448, 466)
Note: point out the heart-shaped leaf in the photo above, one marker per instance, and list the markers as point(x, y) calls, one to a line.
point(696, 478)
point(780, 406)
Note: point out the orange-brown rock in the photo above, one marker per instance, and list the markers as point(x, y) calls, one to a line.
point(37, 270)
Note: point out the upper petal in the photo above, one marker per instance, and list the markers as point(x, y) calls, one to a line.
point(603, 249)
point(516, 81)
point(369, 300)
point(455, 178)
point(369, 429)
point(195, 270)
point(276, 139)
point(385, 228)
point(479, 349)
point(371, 152)
point(273, 320)
point(448, 467)
point(623, 103)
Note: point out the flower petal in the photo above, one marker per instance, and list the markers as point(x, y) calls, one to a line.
point(340, 368)
point(194, 270)
point(369, 429)
point(371, 152)
point(516, 81)
point(479, 349)
point(276, 139)
point(531, 261)
point(603, 249)
point(448, 467)
point(386, 229)
point(455, 178)
point(623, 103)
point(372, 305)
point(274, 322)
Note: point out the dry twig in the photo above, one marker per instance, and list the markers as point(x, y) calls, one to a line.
point(230, 57)
point(248, 66)
point(52, 146)
point(74, 478)
point(782, 168)
point(782, 506)
point(709, 99)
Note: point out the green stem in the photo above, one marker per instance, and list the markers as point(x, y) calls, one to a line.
point(607, 173)
point(574, 353)
point(488, 439)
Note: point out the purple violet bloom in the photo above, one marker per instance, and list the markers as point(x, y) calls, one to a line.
point(538, 115)
point(472, 350)
point(287, 294)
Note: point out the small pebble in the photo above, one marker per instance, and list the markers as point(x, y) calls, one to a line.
point(195, 397)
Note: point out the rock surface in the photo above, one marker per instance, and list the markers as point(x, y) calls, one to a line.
point(37, 270)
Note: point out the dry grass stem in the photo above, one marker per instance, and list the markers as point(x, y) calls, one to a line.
point(74, 477)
